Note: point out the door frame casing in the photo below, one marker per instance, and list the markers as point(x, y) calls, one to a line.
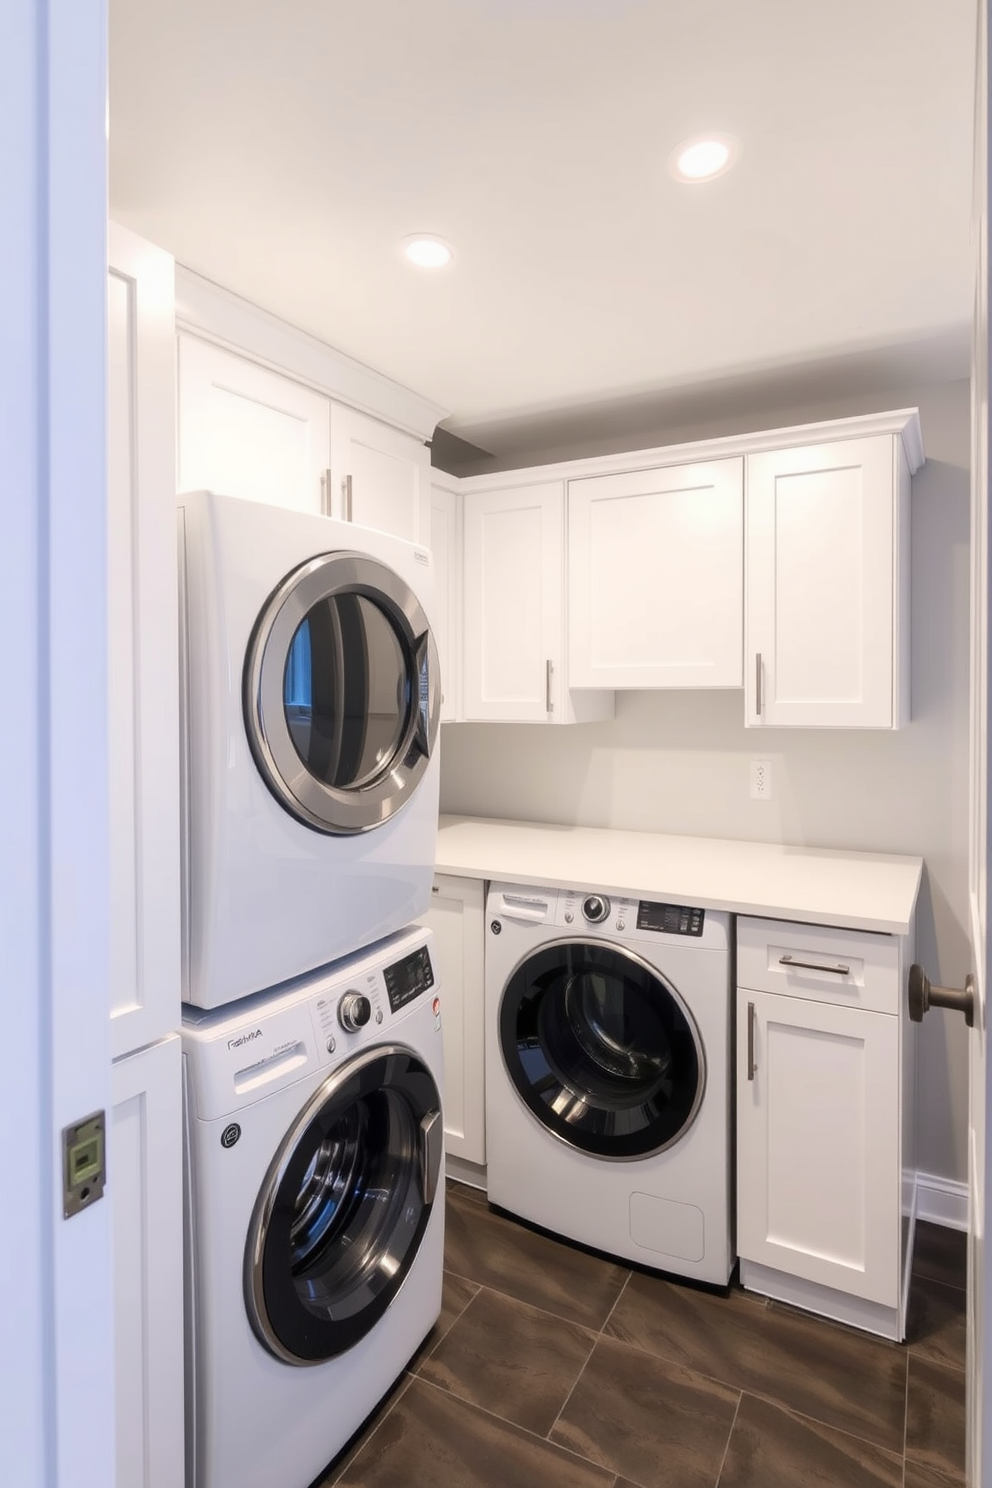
point(56, 1410)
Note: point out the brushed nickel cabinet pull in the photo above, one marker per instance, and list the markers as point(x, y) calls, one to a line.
point(757, 683)
point(548, 672)
point(813, 966)
point(346, 496)
point(751, 1066)
point(325, 493)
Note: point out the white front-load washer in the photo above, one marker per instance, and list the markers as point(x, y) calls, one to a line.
point(314, 1211)
point(310, 706)
point(608, 1073)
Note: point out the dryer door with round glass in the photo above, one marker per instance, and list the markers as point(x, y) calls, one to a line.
point(341, 693)
point(344, 1207)
point(601, 1049)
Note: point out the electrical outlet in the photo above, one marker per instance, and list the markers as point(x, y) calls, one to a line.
point(761, 780)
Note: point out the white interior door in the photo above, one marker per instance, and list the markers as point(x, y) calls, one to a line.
point(56, 1404)
point(979, 1402)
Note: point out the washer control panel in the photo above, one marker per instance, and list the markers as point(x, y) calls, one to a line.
point(406, 979)
point(582, 910)
point(670, 919)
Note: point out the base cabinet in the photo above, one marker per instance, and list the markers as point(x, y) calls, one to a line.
point(456, 917)
point(820, 1092)
point(145, 1176)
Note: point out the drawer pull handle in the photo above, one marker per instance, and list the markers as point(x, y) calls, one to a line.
point(813, 966)
point(751, 1066)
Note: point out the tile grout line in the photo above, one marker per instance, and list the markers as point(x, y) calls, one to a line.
point(616, 1303)
point(546, 1311)
point(589, 1355)
point(723, 1459)
point(380, 1416)
point(571, 1392)
point(758, 1394)
point(513, 1425)
point(456, 1319)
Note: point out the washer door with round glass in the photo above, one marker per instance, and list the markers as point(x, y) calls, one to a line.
point(341, 693)
point(601, 1049)
point(344, 1207)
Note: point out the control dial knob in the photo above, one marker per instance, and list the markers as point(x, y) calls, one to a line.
point(354, 1011)
point(595, 908)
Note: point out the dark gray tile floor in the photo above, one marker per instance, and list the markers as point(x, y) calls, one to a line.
point(551, 1367)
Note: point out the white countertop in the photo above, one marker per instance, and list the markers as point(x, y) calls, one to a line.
point(824, 886)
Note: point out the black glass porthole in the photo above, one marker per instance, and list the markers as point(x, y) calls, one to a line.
point(601, 1049)
point(344, 1207)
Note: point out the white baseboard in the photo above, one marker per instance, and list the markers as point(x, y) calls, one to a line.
point(474, 1174)
point(943, 1201)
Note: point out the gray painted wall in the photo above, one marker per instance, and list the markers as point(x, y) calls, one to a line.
point(678, 761)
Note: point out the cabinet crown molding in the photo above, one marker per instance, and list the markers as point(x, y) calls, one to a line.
point(904, 422)
point(215, 314)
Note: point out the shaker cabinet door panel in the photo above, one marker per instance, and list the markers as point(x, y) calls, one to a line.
point(818, 1143)
point(380, 476)
point(145, 1175)
point(143, 666)
point(655, 574)
point(246, 431)
point(513, 602)
point(824, 584)
point(445, 544)
point(457, 916)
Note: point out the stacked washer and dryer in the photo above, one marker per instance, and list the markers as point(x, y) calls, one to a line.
point(312, 1049)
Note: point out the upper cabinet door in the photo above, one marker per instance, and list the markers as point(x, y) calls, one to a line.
point(445, 544)
point(655, 577)
point(246, 431)
point(380, 476)
point(143, 663)
point(827, 585)
point(513, 602)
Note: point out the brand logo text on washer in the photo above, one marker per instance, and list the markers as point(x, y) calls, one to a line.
point(243, 1038)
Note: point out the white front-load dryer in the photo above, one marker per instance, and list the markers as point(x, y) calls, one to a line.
point(310, 705)
point(314, 1211)
point(608, 1073)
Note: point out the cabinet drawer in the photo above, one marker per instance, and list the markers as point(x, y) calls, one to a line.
point(853, 968)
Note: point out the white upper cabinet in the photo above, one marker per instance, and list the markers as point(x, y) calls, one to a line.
point(513, 602)
point(513, 594)
point(445, 545)
point(246, 431)
point(655, 574)
point(827, 585)
point(380, 476)
point(143, 665)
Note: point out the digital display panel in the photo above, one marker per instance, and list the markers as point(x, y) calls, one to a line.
point(669, 919)
point(406, 979)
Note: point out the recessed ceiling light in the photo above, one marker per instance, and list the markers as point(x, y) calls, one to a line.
point(426, 252)
point(703, 158)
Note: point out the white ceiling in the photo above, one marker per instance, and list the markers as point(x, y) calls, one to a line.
point(283, 147)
